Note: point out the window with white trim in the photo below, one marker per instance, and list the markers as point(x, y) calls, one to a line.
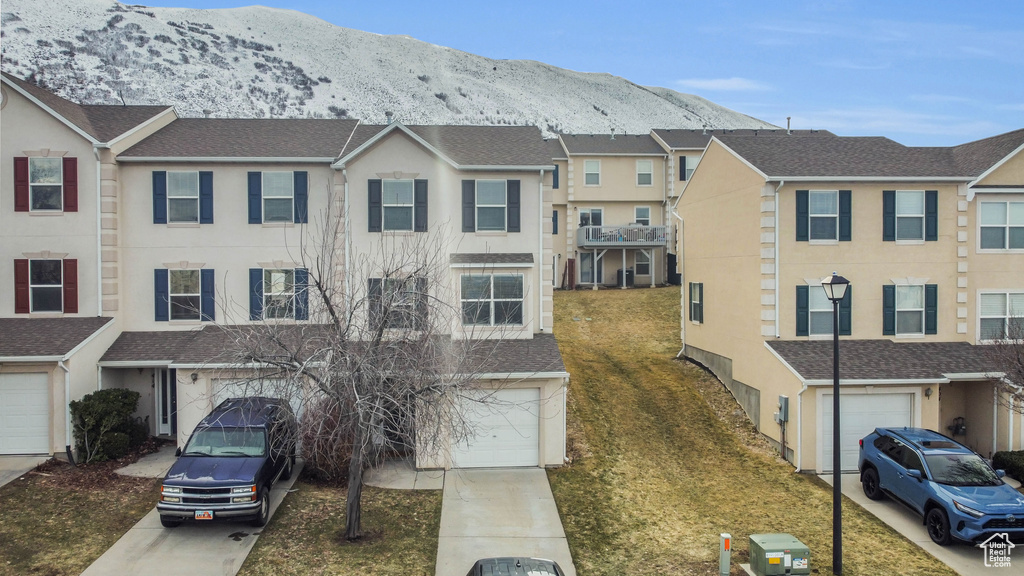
point(491, 204)
point(642, 215)
point(184, 294)
point(819, 312)
point(492, 299)
point(642, 264)
point(910, 214)
point(591, 216)
point(183, 196)
point(1002, 316)
point(644, 172)
point(399, 302)
point(278, 293)
point(910, 309)
point(278, 196)
point(1002, 225)
point(46, 183)
point(592, 172)
point(46, 285)
point(823, 211)
point(397, 204)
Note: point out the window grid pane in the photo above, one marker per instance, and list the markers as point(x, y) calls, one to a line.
point(909, 203)
point(910, 228)
point(910, 309)
point(397, 192)
point(482, 307)
point(993, 237)
point(277, 210)
point(45, 170)
point(183, 185)
point(820, 322)
point(490, 192)
point(183, 210)
point(823, 228)
point(993, 213)
point(277, 184)
point(490, 218)
point(397, 218)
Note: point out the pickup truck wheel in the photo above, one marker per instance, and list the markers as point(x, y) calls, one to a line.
point(170, 521)
point(938, 526)
point(264, 513)
point(869, 482)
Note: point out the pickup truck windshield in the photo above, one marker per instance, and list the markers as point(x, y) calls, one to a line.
point(961, 470)
point(218, 441)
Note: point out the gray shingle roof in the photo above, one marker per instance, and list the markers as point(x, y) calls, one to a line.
point(604, 144)
point(246, 138)
point(492, 258)
point(554, 149)
point(884, 359)
point(45, 336)
point(163, 346)
point(974, 158)
point(698, 139)
point(473, 145)
point(102, 122)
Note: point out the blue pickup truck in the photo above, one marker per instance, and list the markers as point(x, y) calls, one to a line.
point(230, 462)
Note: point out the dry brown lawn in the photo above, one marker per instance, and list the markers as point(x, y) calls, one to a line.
point(664, 459)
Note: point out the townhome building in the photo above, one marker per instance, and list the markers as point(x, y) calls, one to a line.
point(932, 242)
point(185, 225)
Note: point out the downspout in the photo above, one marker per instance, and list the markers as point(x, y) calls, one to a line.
point(995, 417)
point(540, 250)
point(565, 417)
point(99, 233)
point(800, 427)
point(776, 245)
point(682, 283)
point(67, 409)
point(348, 235)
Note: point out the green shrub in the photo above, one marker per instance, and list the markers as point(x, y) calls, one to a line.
point(138, 431)
point(103, 424)
point(1011, 462)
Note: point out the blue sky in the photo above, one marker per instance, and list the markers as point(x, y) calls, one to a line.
point(924, 73)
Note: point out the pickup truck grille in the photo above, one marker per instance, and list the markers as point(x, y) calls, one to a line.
point(206, 496)
point(997, 523)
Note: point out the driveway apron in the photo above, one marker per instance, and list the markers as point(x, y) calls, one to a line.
point(196, 549)
point(498, 512)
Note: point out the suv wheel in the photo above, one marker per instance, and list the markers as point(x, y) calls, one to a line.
point(938, 526)
point(869, 482)
point(170, 521)
point(264, 513)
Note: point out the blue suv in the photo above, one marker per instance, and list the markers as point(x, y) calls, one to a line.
point(959, 496)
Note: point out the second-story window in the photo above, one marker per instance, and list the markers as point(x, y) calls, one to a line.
point(1002, 225)
point(397, 204)
point(910, 214)
point(46, 285)
point(591, 217)
point(278, 194)
point(910, 309)
point(46, 183)
point(183, 196)
point(644, 172)
point(279, 293)
point(592, 172)
point(1002, 316)
point(492, 299)
point(490, 204)
point(184, 295)
point(824, 214)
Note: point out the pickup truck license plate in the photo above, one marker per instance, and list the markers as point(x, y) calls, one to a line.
point(204, 514)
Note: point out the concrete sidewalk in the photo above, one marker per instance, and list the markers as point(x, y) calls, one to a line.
point(963, 558)
point(491, 512)
point(12, 467)
point(153, 465)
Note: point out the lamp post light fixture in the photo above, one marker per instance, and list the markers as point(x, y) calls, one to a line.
point(835, 289)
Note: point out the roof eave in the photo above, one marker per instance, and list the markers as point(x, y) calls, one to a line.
point(343, 162)
point(230, 159)
point(868, 178)
point(138, 127)
point(92, 140)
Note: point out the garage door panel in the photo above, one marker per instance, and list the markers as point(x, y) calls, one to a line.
point(506, 427)
point(24, 413)
point(861, 414)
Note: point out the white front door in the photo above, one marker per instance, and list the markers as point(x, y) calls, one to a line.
point(164, 401)
point(860, 415)
point(507, 430)
point(25, 413)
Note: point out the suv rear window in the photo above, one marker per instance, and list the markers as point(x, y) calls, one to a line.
point(224, 441)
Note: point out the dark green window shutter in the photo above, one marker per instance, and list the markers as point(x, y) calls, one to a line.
point(512, 202)
point(802, 310)
point(845, 313)
point(554, 178)
point(554, 221)
point(159, 197)
point(845, 217)
point(700, 305)
point(302, 294)
point(300, 181)
point(255, 293)
point(689, 293)
point(420, 206)
point(889, 310)
point(469, 205)
point(889, 216)
point(931, 215)
point(162, 296)
point(802, 216)
point(206, 197)
point(375, 189)
point(931, 308)
point(256, 198)
point(207, 302)
point(682, 168)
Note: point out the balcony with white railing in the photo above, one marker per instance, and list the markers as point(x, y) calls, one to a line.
point(625, 236)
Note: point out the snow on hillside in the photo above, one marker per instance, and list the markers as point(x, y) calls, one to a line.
point(266, 62)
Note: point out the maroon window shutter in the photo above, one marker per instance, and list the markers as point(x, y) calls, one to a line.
point(21, 286)
point(70, 286)
point(21, 185)
point(71, 184)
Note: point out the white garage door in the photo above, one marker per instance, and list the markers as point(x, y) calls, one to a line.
point(507, 426)
point(224, 389)
point(861, 413)
point(24, 413)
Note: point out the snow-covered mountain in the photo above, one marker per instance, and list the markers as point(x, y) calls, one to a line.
point(263, 62)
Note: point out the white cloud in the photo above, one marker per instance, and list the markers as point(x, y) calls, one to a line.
point(889, 121)
point(733, 84)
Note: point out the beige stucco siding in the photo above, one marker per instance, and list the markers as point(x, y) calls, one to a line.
point(1010, 173)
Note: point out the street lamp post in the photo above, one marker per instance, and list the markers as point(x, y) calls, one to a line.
point(835, 289)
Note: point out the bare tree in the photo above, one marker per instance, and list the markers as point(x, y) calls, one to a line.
point(375, 371)
point(1008, 356)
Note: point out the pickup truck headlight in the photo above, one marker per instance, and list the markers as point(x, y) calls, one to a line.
point(170, 490)
point(244, 490)
point(968, 511)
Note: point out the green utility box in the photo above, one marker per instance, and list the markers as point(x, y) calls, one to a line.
point(781, 554)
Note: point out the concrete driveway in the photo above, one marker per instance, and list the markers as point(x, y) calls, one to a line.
point(12, 467)
point(499, 512)
point(214, 549)
point(964, 559)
